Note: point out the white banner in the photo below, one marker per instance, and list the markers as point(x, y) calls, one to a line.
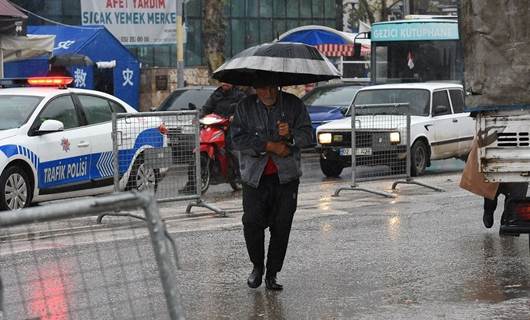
point(133, 22)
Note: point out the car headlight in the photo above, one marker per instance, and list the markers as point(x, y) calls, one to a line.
point(395, 137)
point(324, 138)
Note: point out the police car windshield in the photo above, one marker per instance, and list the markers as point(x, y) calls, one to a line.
point(15, 110)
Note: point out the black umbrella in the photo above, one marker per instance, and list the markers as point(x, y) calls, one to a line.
point(71, 59)
point(278, 63)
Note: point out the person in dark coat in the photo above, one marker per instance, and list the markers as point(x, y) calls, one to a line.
point(269, 129)
point(223, 102)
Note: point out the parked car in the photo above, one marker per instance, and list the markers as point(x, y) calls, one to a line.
point(329, 102)
point(181, 137)
point(187, 98)
point(440, 128)
point(56, 143)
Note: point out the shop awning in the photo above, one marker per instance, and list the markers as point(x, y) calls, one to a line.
point(8, 10)
point(25, 47)
point(341, 50)
point(12, 20)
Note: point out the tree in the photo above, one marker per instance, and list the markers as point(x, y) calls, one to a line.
point(371, 11)
point(213, 33)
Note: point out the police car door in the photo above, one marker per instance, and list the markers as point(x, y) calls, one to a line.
point(98, 113)
point(65, 155)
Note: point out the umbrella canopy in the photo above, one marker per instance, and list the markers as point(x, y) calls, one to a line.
point(71, 59)
point(277, 63)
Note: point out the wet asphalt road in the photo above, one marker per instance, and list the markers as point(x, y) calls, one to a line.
point(421, 255)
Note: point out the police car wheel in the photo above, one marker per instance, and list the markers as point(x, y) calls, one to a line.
point(15, 189)
point(142, 178)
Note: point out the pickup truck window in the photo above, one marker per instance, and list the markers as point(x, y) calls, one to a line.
point(418, 99)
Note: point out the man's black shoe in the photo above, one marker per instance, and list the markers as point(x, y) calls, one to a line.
point(487, 218)
point(255, 278)
point(271, 284)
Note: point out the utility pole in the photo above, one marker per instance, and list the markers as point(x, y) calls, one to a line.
point(180, 46)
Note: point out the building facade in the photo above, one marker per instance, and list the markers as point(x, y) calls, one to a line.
point(247, 22)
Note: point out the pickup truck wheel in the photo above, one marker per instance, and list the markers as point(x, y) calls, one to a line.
point(419, 157)
point(331, 168)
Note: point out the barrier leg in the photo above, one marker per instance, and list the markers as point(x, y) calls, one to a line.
point(203, 204)
point(411, 181)
point(356, 188)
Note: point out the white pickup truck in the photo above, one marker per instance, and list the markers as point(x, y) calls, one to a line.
point(440, 129)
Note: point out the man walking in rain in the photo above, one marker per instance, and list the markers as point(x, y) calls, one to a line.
point(269, 129)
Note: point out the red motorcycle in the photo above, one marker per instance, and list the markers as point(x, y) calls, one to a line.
point(217, 166)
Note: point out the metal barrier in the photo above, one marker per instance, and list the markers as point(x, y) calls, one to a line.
point(141, 159)
point(380, 146)
point(53, 266)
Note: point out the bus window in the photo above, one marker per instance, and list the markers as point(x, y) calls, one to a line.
point(416, 50)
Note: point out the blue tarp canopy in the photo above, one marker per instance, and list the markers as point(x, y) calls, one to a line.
point(315, 37)
point(100, 46)
point(329, 41)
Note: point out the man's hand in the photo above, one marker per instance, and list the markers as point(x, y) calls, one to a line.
point(283, 129)
point(278, 148)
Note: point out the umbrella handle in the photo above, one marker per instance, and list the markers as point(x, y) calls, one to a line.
point(280, 102)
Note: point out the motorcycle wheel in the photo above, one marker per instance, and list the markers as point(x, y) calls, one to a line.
point(205, 173)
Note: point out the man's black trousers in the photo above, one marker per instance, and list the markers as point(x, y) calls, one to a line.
point(270, 205)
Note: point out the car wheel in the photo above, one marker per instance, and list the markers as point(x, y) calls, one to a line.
point(331, 168)
point(16, 191)
point(141, 177)
point(419, 157)
point(205, 172)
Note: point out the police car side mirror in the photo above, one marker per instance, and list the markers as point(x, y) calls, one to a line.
point(49, 126)
point(192, 106)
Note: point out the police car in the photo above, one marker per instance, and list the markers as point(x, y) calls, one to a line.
point(56, 143)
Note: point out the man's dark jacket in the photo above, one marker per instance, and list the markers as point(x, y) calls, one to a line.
point(255, 124)
point(223, 102)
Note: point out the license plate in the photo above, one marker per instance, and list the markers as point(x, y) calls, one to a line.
point(358, 151)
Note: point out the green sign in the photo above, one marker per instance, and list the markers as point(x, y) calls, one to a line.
point(414, 31)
